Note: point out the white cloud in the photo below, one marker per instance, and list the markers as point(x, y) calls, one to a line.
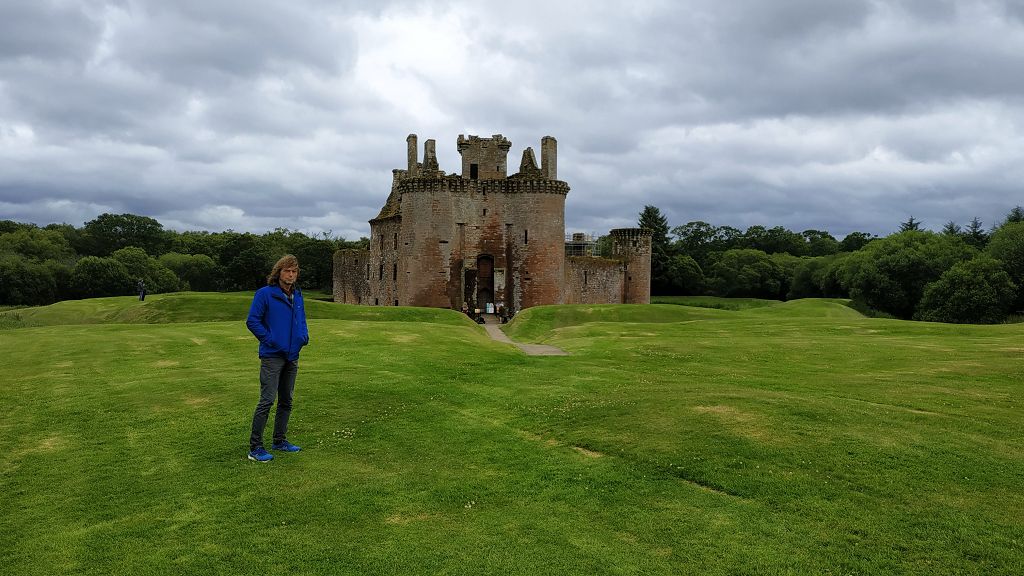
point(844, 115)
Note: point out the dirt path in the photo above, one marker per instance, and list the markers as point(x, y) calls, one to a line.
point(492, 327)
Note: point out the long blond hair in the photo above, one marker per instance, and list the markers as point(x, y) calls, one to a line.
point(286, 261)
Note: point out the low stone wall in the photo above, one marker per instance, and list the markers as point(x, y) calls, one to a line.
point(592, 280)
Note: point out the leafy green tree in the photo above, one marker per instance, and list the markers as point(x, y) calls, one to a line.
point(774, 240)
point(37, 244)
point(755, 238)
point(316, 258)
point(8, 226)
point(1007, 246)
point(820, 243)
point(245, 261)
point(26, 282)
point(855, 241)
point(817, 277)
point(806, 278)
point(974, 291)
point(198, 242)
point(728, 238)
point(830, 277)
point(110, 232)
point(788, 265)
point(61, 273)
point(198, 271)
point(158, 278)
point(745, 273)
point(695, 239)
point(248, 270)
point(685, 275)
point(74, 236)
point(93, 277)
point(700, 240)
point(890, 274)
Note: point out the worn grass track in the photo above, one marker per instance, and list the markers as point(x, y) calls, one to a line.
point(791, 439)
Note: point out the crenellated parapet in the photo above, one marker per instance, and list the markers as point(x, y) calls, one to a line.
point(458, 185)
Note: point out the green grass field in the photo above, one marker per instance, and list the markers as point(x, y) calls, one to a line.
point(796, 438)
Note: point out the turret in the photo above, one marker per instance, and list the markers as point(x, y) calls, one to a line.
point(484, 158)
point(549, 157)
point(413, 155)
point(633, 247)
point(430, 158)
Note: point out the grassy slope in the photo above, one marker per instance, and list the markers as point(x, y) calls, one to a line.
point(202, 307)
point(673, 440)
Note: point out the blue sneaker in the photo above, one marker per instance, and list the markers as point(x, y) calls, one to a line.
point(260, 455)
point(286, 446)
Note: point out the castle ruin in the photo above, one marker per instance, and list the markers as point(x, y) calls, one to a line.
point(485, 239)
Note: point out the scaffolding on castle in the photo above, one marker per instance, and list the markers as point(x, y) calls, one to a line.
point(580, 244)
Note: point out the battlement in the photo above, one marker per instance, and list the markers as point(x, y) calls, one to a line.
point(630, 232)
point(459, 185)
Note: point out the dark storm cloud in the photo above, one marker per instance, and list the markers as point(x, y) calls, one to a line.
point(838, 115)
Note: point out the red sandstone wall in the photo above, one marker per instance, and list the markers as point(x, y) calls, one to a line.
point(350, 276)
point(538, 247)
point(591, 280)
point(633, 246)
point(449, 222)
point(425, 248)
point(383, 286)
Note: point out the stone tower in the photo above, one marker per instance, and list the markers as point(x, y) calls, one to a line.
point(484, 158)
point(633, 247)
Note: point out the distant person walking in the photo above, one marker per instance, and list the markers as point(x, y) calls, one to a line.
point(277, 318)
point(142, 290)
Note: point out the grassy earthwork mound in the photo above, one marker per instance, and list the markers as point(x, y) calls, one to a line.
point(701, 437)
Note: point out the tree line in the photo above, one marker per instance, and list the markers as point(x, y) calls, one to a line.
point(962, 274)
point(110, 254)
point(959, 274)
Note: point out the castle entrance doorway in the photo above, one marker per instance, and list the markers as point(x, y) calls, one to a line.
point(485, 282)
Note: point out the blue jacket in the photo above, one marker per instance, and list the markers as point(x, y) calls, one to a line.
point(278, 324)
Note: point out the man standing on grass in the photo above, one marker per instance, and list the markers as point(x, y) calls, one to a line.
point(278, 320)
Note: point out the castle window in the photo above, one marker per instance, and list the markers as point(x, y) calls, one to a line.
point(396, 302)
point(380, 274)
point(367, 269)
point(526, 236)
point(485, 211)
point(396, 240)
point(376, 302)
point(394, 273)
point(473, 171)
point(584, 277)
point(381, 241)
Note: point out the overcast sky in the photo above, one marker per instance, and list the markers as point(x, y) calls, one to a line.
point(251, 114)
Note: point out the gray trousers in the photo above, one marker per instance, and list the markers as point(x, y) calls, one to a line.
point(277, 380)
